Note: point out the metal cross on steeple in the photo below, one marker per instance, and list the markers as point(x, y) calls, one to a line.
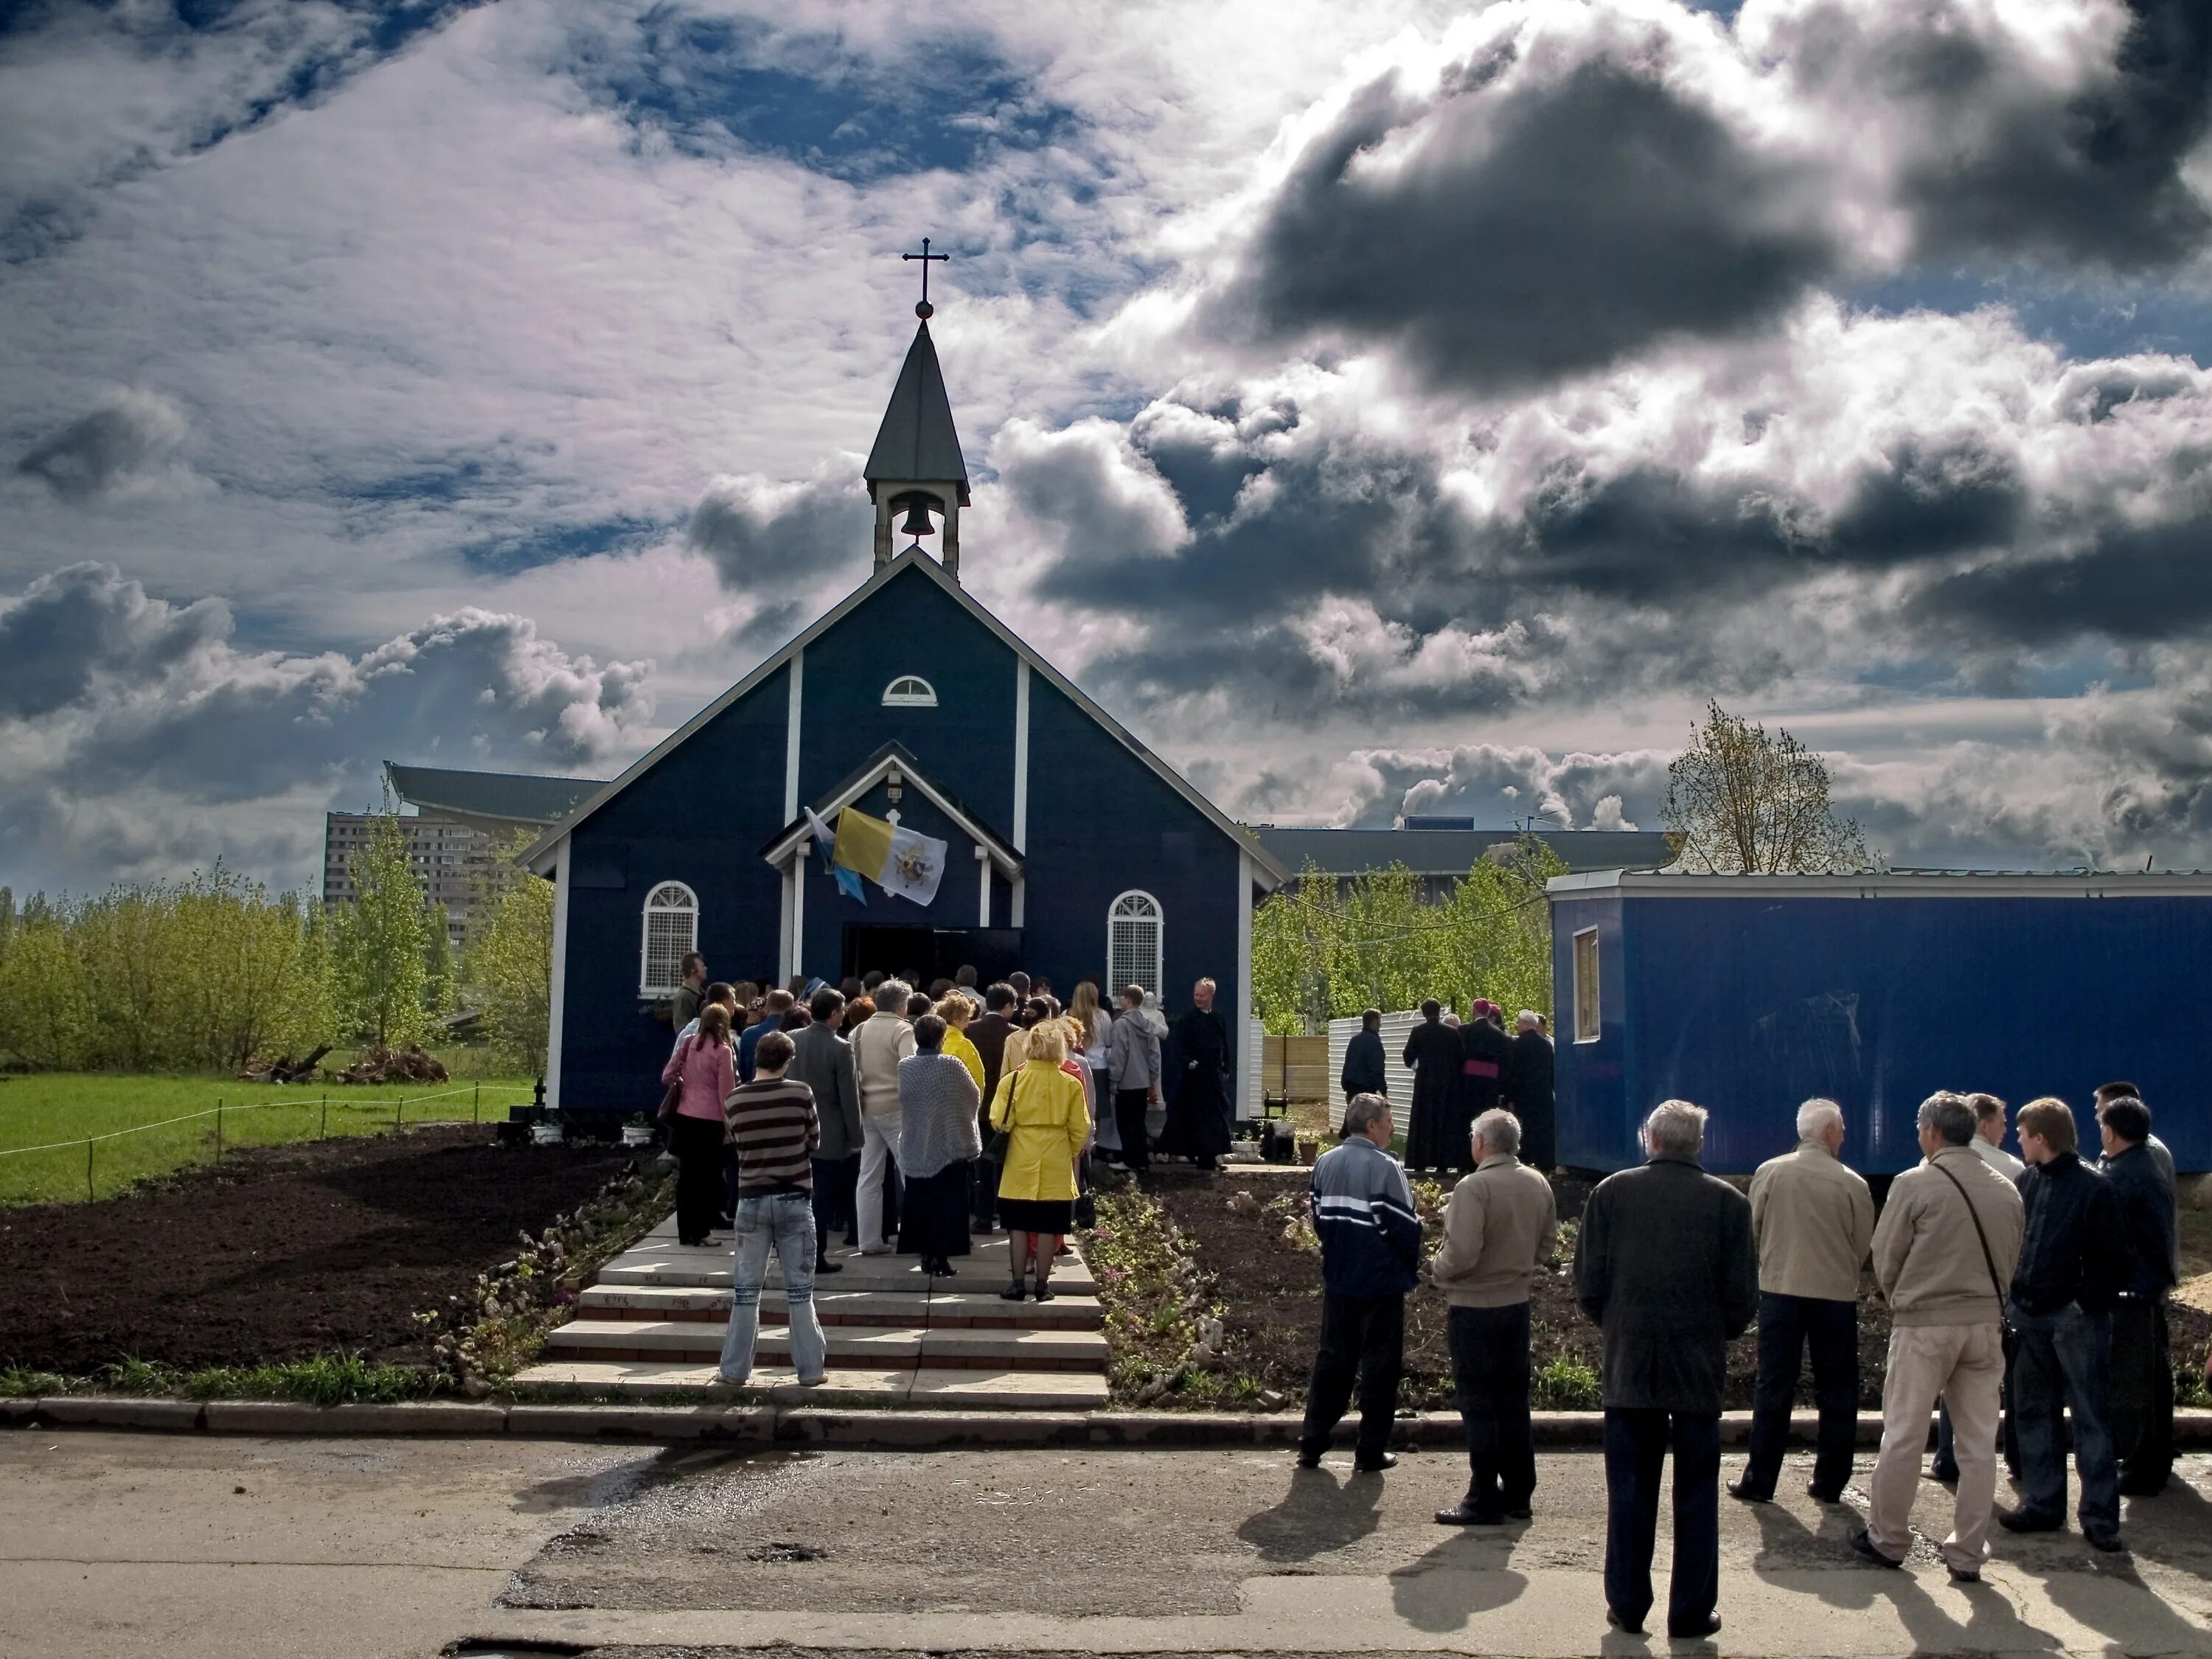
point(925, 310)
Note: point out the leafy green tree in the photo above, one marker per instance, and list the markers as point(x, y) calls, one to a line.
point(510, 967)
point(1322, 949)
point(441, 974)
point(46, 1005)
point(382, 947)
point(1740, 801)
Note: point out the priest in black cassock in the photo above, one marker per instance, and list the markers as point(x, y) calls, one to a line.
point(1530, 1094)
point(1364, 1071)
point(1197, 1127)
point(1486, 1052)
point(1436, 1129)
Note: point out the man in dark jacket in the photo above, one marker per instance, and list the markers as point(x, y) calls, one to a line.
point(824, 1062)
point(1371, 1256)
point(1363, 1070)
point(2142, 1356)
point(1529, 1093)
point(988, 1031)
point(2072, 1266)
point(1665, 1266)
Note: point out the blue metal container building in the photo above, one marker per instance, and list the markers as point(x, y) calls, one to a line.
point(1748, 994)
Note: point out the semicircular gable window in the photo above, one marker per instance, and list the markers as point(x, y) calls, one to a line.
point(909, 691)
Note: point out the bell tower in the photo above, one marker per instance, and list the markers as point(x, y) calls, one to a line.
point(915, 468)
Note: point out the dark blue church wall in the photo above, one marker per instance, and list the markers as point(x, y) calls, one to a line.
point(1101, 823)
point(699, 818)
point(965, 743)
point(1749, 1005)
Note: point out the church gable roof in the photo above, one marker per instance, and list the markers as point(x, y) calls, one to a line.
point(916, 443)
point(912, 566)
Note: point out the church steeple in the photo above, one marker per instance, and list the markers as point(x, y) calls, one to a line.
point(916, 467)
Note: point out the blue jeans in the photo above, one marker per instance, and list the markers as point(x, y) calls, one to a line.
point(786, 1220)
point(2065, 1363)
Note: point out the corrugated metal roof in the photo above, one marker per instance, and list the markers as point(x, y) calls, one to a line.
point(1454, 851)
point(517, 796)
point(1892, 883)
point(916, 443)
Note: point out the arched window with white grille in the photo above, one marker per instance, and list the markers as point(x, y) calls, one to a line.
point(671, 933)
point(1133, 942)
point(909, 691)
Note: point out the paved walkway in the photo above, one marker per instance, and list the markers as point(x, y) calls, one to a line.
point(650, 1326)
point(159, 1546)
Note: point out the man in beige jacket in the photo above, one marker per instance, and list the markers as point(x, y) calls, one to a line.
point(1943, 1254)
point(1499, 1227)
point(1813, 1219)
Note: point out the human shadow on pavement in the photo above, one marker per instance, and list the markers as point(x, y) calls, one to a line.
point(1465, 1574)
point(2106, 1594)
point(1821, 1564)
point(1318, 1514)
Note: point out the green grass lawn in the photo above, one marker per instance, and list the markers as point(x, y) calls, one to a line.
point(40, 1109)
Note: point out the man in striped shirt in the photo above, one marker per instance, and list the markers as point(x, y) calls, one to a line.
point(1371, 1256)
point(775, 1129)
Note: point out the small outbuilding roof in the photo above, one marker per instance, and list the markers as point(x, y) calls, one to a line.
point(502, 798)
point(1891, 883)
point(1454, 852)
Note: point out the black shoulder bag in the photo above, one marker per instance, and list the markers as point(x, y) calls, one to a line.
point(994, 1149)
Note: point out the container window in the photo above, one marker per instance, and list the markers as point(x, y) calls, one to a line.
point(1586, 1019)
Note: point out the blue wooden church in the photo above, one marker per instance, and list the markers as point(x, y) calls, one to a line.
point(1074, 848)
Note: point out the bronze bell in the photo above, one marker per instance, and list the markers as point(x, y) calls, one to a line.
point(917, 518)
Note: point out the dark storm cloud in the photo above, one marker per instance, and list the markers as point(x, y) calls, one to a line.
point(760, 537)
point(2134, 585)
point(127, 439)
point(1998, 163)
point(113, 689)
point(79, 623)
point(1511, 229)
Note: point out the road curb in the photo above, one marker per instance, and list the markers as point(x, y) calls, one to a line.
point(808, 1427)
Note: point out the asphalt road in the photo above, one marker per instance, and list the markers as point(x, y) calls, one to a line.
point(118, 1545)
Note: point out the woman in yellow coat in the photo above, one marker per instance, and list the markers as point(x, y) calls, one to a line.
point(1042, 1109)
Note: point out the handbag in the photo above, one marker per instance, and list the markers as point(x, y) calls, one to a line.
point(994, 1149)
point(673, 1096)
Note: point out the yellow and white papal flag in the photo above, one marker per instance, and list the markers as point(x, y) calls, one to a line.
point(898, 860)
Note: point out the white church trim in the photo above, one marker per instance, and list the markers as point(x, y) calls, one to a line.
point(1268, 872)
point(798, 836)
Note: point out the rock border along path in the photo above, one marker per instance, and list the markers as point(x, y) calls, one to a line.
point(650, 1324)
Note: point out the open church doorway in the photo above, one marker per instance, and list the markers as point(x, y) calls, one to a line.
point(933, 953)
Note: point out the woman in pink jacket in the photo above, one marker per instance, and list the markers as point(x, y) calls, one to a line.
point(704, 1065)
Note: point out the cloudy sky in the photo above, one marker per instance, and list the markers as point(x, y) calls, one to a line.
point(1384, 407)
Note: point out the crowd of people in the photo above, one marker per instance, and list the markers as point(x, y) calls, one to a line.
point(2022, 1291)
point(1462, 1069)
point(913, 1120)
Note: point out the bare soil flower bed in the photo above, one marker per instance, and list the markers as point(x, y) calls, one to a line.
point(1267, 1283)
point(280, 1253)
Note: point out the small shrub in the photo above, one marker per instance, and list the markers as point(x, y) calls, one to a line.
point(1564, 1383)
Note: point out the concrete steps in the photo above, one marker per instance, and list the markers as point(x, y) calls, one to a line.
point(651, 1326)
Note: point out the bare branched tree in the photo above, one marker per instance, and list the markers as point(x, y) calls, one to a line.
point(1741, 801)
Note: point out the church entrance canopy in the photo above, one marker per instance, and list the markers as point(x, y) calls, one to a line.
point(931, 953)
